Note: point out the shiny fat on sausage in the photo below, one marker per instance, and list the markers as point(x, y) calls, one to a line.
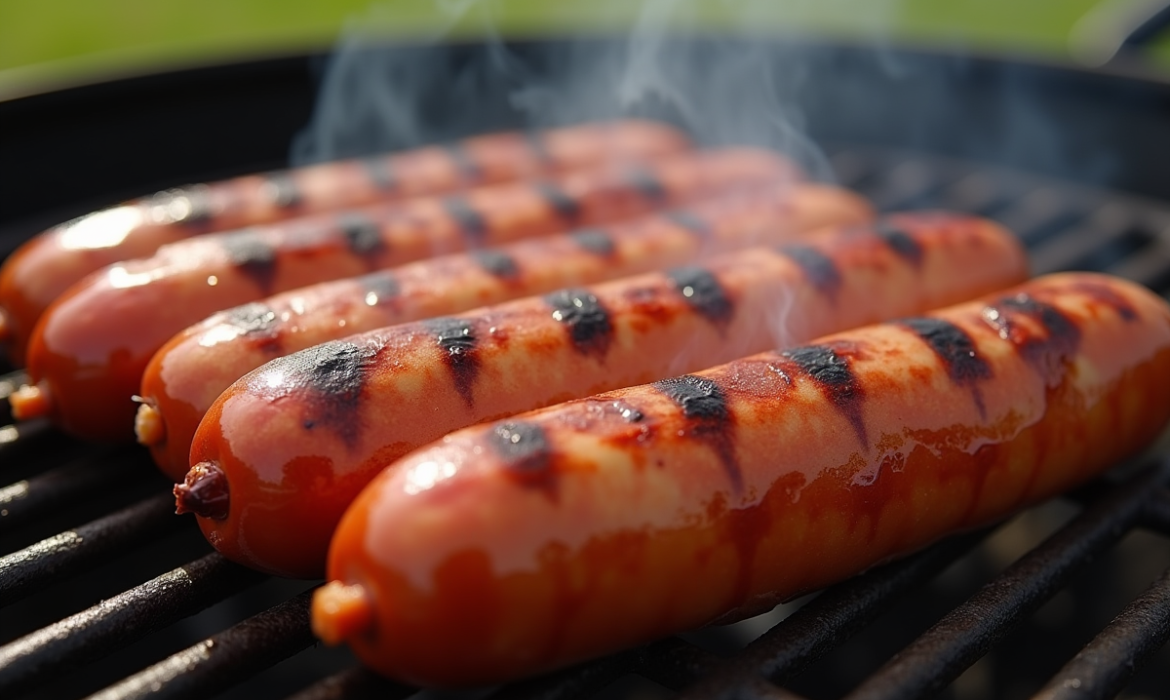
point(528, 544)
point(47, 265)
point(284, 450)
point(193, 368)
point(90, 349)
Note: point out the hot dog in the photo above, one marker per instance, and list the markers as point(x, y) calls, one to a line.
point(89, 351)
point(527, 544)
point(194, 367)
point(284, 450)
point(49, 264)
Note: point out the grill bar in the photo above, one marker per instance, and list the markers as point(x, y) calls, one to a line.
point(42, 495)
point(111, 624)
point(72, 551)
point(967, 632)
point(223, 660)
point(1103, 667)
point(355, 682)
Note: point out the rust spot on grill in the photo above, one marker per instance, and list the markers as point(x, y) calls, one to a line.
point(899, 241)
point(525, 452)
point(703, 292)
point(585, 318)
point(282, 189)
point(362, 234)
point(496, 263)
point(595, 241)
point(817, 267)
point(1017, 320)
point(646, 184)
point(457, 339)
point(955, 348)
point(470, 223)
point(832, 373)
point(252, 255)
point(690, 221)
point(379, 171)
point(564, 205)
point(704, 405)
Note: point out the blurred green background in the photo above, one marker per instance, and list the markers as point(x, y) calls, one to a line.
point(72, 39)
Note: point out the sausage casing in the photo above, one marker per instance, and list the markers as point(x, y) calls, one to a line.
point(516, 547)
point(49, 264)
point(89, 351)
point(293, 441)
point(194, 367)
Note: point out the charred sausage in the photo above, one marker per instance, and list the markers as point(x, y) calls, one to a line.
point(562, 534)
point(89, 351)
point(49, 264)
point(194, 367)
point(287, 447)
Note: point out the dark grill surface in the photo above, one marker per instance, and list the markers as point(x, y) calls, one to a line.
point(103, 591)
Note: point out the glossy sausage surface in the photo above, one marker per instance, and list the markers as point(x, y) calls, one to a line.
point(194, 367)
point(89, 351)
point(49, 264)
point(528, 544)
point(293, 441)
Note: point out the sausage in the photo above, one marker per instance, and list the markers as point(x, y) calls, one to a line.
point(554, 536)
point(89, 351)
point(49, 264)
point(288, 446)
point(194, 367)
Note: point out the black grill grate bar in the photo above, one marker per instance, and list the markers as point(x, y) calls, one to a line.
point(1151, 268)
point(118, 621)
point(829, 619)
point(1106, 664)
point(72, 551)
point(224, 659)
point(1079, 243)
point(968, 631)
point(1157, 513)
point(354, 682)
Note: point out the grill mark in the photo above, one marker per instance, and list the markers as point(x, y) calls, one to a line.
point(832, 374)
point(282, 189)
point(704, 406)
point(690, 221)
point(464, 163)
point(470, 223)
point(252, 255)
point(955, 348)
point(701, 289)
point(362, 234)
point(646, 184)
point(383, 286)
point(496, 263)
point(560, 202)
point(457, 339)
point(332, 376)
point(902, 243)
point(816, 266)
point(1103, 294)
point(524, 449)
point(1048, 355)
point(536, 144)
point(380, 172)
point(595, 241)
point(252, 319)
point(585, 318)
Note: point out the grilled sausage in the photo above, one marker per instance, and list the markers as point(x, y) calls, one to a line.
point(194, 367)
point(49, 264)
point(287, 447)
point(88, 354)
point(562, 534)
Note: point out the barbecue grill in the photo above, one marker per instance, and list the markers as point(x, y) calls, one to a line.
point(103, 591)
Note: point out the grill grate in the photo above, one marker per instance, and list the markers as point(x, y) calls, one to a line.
point(79, 523)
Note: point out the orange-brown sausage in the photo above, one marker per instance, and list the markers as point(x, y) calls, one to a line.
point(194, 367)
point(287, 447)
point(554, 536)
point(89, 351)
point(46, 266)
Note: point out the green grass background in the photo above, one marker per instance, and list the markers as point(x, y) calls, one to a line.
point(58, 38)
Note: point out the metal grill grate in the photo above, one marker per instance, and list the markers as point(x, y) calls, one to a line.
point(103, 591)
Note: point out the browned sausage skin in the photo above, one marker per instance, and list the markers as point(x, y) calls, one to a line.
point(46, 266)
point(194, 367)
point(294, 440)
point(520, 546)
point(90, 349)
